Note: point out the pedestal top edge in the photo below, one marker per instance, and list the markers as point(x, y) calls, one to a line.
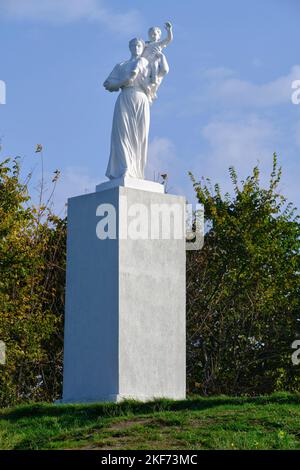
point(126, 182)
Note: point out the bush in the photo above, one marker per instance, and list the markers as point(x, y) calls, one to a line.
point(32, 264)
point(243, 290)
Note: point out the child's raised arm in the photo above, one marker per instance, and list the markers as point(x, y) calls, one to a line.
point(169, 38)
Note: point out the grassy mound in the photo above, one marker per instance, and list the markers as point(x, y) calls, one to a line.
point(266, 422)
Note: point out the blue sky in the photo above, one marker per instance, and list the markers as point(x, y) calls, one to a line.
point(226, 101)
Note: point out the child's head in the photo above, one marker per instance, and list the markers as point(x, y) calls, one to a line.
point(154, 33)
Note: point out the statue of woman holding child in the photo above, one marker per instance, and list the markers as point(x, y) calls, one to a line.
point(138, 79)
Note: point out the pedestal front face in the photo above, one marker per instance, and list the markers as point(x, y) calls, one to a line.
point(125, 297)
point(91, 351)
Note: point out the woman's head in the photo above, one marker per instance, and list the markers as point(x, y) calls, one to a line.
point(136, 46)
point(154, 34)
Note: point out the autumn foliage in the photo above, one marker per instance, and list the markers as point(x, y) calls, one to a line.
point(32, 265)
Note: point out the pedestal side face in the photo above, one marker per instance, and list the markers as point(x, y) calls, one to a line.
point(152, 352)
point(92, 300)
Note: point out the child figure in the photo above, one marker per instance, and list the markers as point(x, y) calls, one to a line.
point(157, 60)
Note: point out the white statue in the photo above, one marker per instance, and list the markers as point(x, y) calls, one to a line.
point(138, 79)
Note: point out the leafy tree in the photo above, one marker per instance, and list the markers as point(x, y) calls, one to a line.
point(243, 290)
point(32, 260)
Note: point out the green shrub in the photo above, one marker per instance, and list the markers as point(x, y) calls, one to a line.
point(32, 260)
point(243, 290)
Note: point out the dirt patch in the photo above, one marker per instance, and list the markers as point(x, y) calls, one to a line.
point(119, 439)
point(120, 425)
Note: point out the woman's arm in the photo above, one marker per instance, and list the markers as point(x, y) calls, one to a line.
point(110, 85)
point(113, 82)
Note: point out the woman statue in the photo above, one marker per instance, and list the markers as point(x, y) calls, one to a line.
point(130, 129)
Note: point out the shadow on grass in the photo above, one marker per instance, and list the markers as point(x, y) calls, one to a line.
point(110, 410)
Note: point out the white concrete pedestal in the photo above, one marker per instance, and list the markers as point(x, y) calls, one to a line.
point(125, 303)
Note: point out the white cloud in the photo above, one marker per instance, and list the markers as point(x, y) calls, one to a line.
point(217, 73)
point(244, 142)
point(240, 143)
point(64, 11)
point(225, 88)
point(162, 158)
point(237, 141)
point(73, 181)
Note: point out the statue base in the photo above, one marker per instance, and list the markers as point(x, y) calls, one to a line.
point(134, 183)
point(125, 299)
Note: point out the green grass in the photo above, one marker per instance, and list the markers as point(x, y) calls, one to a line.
point(266, 422)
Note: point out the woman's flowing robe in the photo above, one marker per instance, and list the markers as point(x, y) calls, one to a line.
point(130, 129)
